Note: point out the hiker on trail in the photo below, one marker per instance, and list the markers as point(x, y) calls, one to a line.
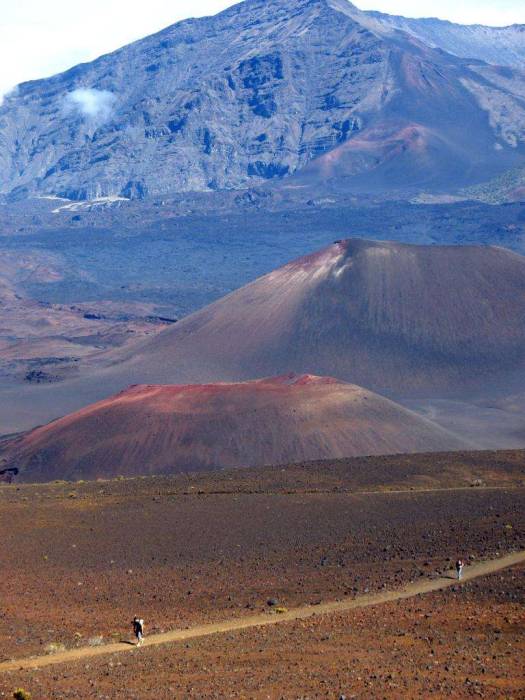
point(138, 630)
point(459, 568)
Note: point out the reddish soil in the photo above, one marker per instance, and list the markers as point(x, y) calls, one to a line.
point(43, 343)
point(463, 642)
point(82, 559)
point(170, 429)
point(47, 343)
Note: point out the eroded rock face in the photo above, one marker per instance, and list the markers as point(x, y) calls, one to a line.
point(256, 94)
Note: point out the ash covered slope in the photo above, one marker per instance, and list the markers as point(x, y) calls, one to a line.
point(399, 319)
point(503, 46)
point(257, 93)
point(168, 429)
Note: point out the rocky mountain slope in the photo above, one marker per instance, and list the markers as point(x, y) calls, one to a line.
point(263, 91)
point(503, 46)
point(168, 429)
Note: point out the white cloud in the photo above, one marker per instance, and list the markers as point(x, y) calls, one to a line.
point(96, 106)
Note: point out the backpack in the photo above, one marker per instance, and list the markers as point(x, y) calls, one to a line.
point(138, 626)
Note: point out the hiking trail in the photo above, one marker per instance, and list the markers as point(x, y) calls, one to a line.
point(473, 571)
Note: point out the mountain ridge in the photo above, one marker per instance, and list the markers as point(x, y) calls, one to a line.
point(256, 94)
point(503, 46)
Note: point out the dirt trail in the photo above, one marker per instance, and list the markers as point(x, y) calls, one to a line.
point(471, 572)
point(413, 491)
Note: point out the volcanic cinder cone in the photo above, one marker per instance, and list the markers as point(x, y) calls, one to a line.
point(400, 319)
point(410, 322)
point(167, 429)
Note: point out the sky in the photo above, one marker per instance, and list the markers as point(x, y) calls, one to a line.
point(41, 37)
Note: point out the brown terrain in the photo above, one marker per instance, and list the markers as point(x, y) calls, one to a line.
point(79, 560)
point(463, 642)
point(45, 343)
point(415, 323)
point(169, 429)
